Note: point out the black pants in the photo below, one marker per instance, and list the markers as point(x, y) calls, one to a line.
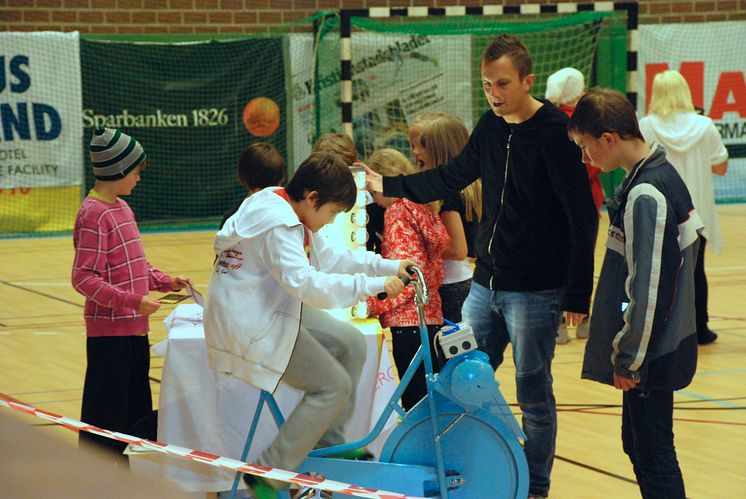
point(700, 289)
point(405, 342)
point(647, 437)
point(452, 297)
point(117, 389)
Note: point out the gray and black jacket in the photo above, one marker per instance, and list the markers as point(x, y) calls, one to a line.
point(643, 324)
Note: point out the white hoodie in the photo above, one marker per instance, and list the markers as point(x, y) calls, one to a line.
point(693, 145)
point(261, 277)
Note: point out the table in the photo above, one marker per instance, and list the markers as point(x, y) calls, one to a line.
point(209, 411)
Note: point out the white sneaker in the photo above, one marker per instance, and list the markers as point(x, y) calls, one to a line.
point(581, 332)
point(562, 336)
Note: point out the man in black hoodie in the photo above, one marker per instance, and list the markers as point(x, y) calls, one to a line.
point(535, 241)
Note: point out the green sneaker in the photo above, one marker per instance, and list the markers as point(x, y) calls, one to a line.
point(259, 488)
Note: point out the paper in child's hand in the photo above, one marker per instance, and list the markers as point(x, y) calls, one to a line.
point(172, 298)
point(195, 295)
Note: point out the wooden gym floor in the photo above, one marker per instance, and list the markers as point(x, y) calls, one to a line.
point(42, 363)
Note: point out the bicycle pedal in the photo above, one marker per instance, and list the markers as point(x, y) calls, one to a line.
point(306, 492)
point(311, 493)
point(454, 481)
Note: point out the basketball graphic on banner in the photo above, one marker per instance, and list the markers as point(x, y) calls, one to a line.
point(261, 116)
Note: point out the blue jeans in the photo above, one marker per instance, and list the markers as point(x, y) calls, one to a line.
point(529, 320)
point(647, 437)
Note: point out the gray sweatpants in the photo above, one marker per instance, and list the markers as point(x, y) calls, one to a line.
point(326, 364)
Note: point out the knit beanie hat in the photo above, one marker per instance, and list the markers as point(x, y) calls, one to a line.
point(114, 154)
point(564, 86)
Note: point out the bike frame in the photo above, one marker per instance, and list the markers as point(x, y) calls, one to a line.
point(422, 355)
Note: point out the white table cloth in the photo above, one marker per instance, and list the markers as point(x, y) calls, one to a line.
point(209, 411)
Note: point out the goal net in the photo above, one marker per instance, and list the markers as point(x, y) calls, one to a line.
point(403, 66)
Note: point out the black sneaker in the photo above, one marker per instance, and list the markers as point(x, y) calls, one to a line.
point(361, 454)
point(706, 337)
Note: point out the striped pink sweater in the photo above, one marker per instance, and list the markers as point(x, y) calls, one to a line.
point(110, 269)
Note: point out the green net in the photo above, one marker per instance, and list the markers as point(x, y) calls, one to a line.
point(195, 102)
point(194, 107)
point(404, 66)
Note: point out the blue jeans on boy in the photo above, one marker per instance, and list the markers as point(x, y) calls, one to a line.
point(647, 438)
point(529, 320)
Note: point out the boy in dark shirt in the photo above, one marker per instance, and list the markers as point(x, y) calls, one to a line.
point(643, 337)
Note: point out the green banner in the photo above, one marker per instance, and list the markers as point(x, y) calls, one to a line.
point(193, 107)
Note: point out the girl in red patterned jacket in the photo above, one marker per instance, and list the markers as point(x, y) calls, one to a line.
point(413, 231)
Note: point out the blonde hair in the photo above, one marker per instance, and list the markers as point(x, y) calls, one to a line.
point(419, 121)
point(390, 162)
point(444, 136)
point(340, 144)
point(670, 95)
point(423, 118)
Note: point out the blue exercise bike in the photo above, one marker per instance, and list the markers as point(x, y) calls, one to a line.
point(461, 441)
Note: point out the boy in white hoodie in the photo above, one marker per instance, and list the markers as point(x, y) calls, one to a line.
point(271, 262)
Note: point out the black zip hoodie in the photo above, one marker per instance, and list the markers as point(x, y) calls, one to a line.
point(539, 222)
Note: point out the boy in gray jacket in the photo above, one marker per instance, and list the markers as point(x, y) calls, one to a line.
point(642, 334)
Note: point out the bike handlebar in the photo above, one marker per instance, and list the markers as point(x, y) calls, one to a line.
point(406, 280)
point(383, 295)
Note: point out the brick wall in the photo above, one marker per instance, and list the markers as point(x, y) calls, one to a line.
point(247, 16)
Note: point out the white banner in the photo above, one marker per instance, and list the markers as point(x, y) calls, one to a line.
point(712, 59)
point(301, 121)
point(386, 385)
point(398, 77)
point(41, 130)
point(395, 78)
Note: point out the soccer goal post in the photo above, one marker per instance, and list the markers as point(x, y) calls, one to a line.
point(397, 63)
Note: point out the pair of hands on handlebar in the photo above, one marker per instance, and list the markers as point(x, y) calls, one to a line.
point(395, 285)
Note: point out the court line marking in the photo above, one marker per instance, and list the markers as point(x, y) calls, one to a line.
point(708, 399)
point(729, 268)
point(37, 392)
point(732, 371)
point(597, 470)
point(60, 283)
point(687, 420)
point(80, 305)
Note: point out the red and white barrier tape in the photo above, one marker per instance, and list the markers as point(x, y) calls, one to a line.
point(211, 459)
